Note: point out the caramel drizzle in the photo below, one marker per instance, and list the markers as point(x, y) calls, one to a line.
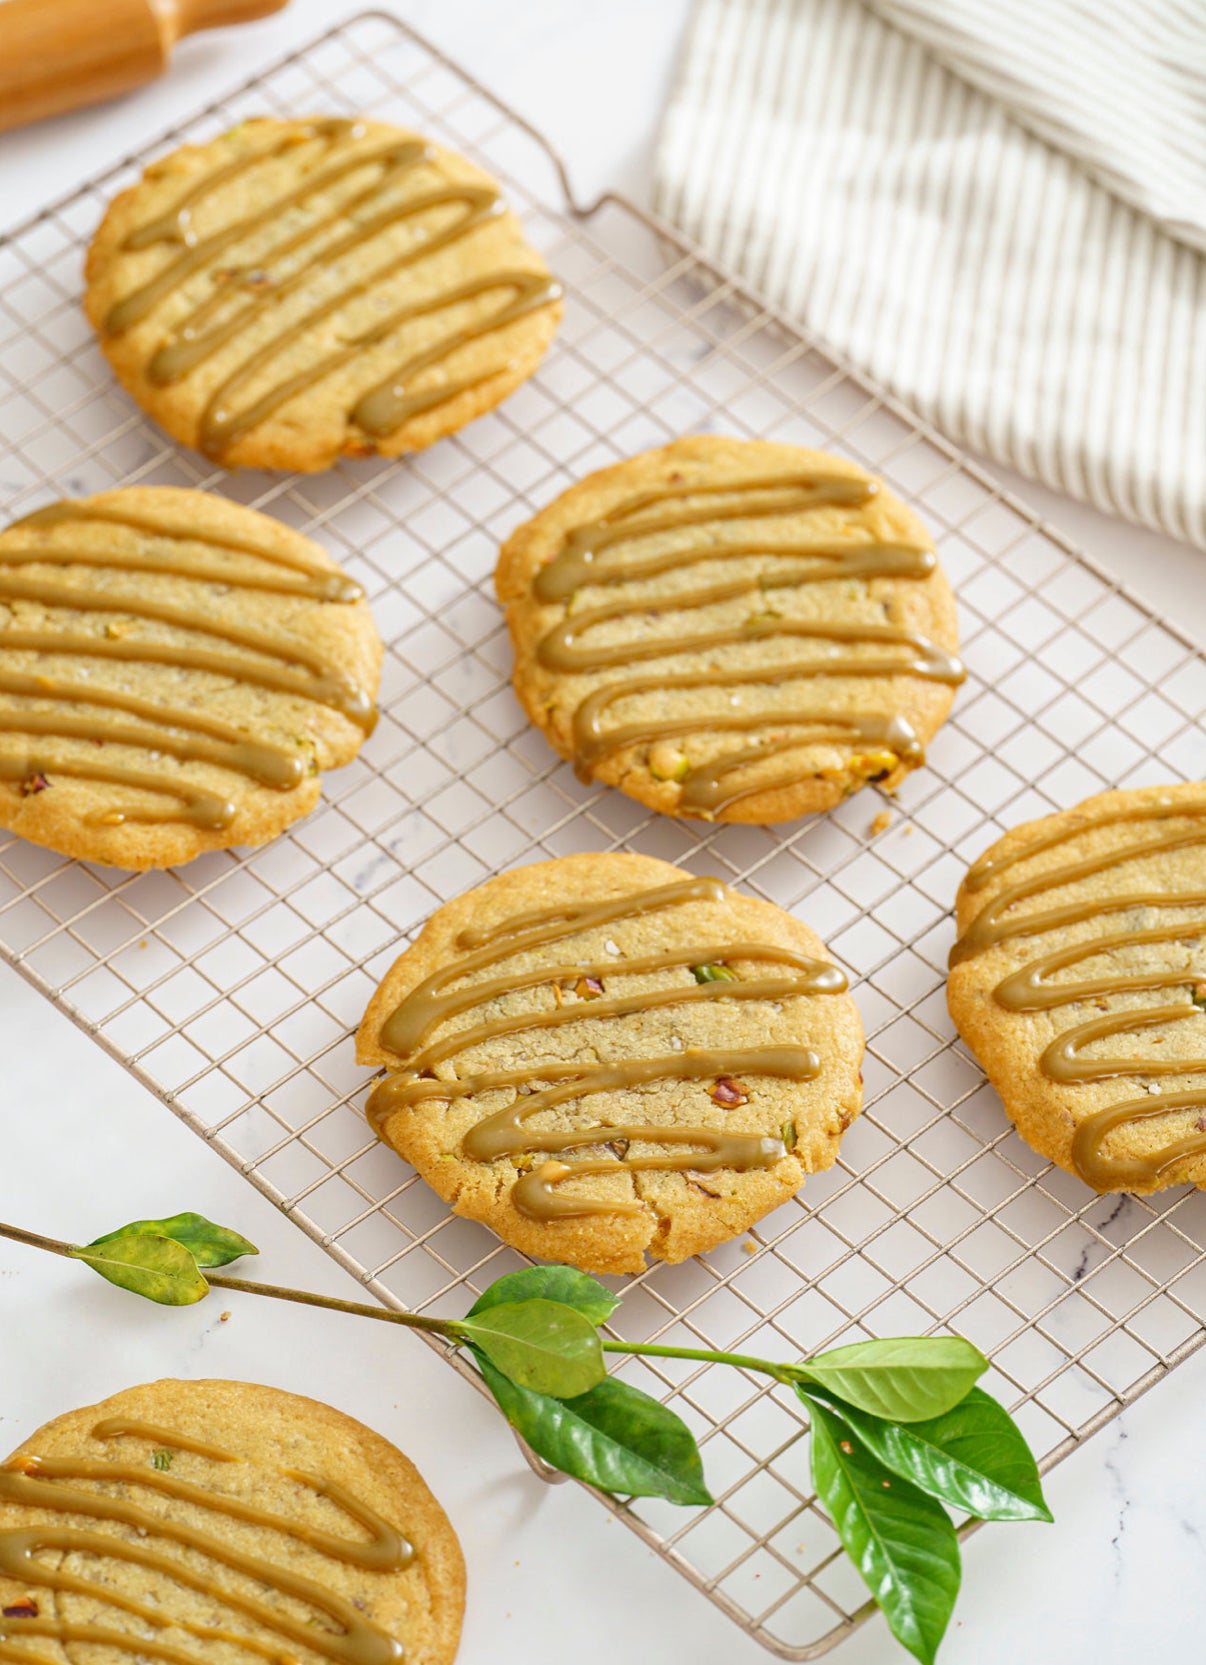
point(710, 788)
point(34, 1483)
point(238, 308)
point(1034, 988)
point(316, 583)
point(408, 1032)
point(189, 735)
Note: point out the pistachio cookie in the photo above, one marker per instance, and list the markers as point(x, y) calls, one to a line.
point(603, 1057)
point(217, 1520)
point(1079, 982)
point(175, 672)
point(731, 629)
point(296, 291)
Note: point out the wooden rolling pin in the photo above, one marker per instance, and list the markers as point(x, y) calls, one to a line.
point(57, 55)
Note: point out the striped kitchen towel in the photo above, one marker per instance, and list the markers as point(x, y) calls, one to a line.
point(995, 208)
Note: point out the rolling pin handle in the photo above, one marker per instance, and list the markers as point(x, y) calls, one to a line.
point(58, 55)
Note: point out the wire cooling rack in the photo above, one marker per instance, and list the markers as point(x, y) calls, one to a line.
point(231, 986)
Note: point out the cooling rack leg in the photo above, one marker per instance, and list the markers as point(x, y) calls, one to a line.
point(542, 1470)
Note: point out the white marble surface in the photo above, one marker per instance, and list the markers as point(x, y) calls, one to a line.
point(1119, 1577)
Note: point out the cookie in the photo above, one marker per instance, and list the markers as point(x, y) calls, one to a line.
point(296, 291)
point(175, 672)
point(1079, 982)
point(183, 1521)
point(731, 630)
point(602, 1057)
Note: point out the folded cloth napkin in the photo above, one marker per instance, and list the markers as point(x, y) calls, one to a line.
point(995, 208)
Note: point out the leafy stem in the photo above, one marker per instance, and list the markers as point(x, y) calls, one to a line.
point(306, 1297)
point(900, 1431)
point(786, 1373)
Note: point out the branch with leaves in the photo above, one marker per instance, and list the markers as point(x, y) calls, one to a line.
point(900, 1431)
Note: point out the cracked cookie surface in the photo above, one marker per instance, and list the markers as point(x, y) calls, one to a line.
point(1079, 982)
point(731, 629)
point(176, 671)
point(220, 1521)
point(296, 291)
point(603, 1057)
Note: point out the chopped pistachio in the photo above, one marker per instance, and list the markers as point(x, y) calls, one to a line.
point(1198, 995)
point(729, 1094)
point(876, 765)
point(162, 1459)
point(714, 973)
point(305, 744)
point(588, 988)
point(667, 762)
point(32, 784)
point(788, 1132)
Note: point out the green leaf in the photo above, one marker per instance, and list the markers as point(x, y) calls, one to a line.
point(208, 1244)
point(551, 1283)
point(906, 1379)
point(615, 1437)
point(973, 1457)
point(901, 1541)
point(157, 1267)
point(542, 1345)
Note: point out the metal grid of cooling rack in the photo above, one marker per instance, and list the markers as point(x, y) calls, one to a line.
point(231, 986)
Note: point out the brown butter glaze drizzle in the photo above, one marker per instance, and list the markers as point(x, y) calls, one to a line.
point(34, 1482)
point(1032, 988)
point(277, 664)
point(504, 1135)
point(315, 583)
point(384, 407)
point(707, 789)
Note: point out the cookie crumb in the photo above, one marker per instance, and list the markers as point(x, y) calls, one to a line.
point(223, 1317)
point(881, 822)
